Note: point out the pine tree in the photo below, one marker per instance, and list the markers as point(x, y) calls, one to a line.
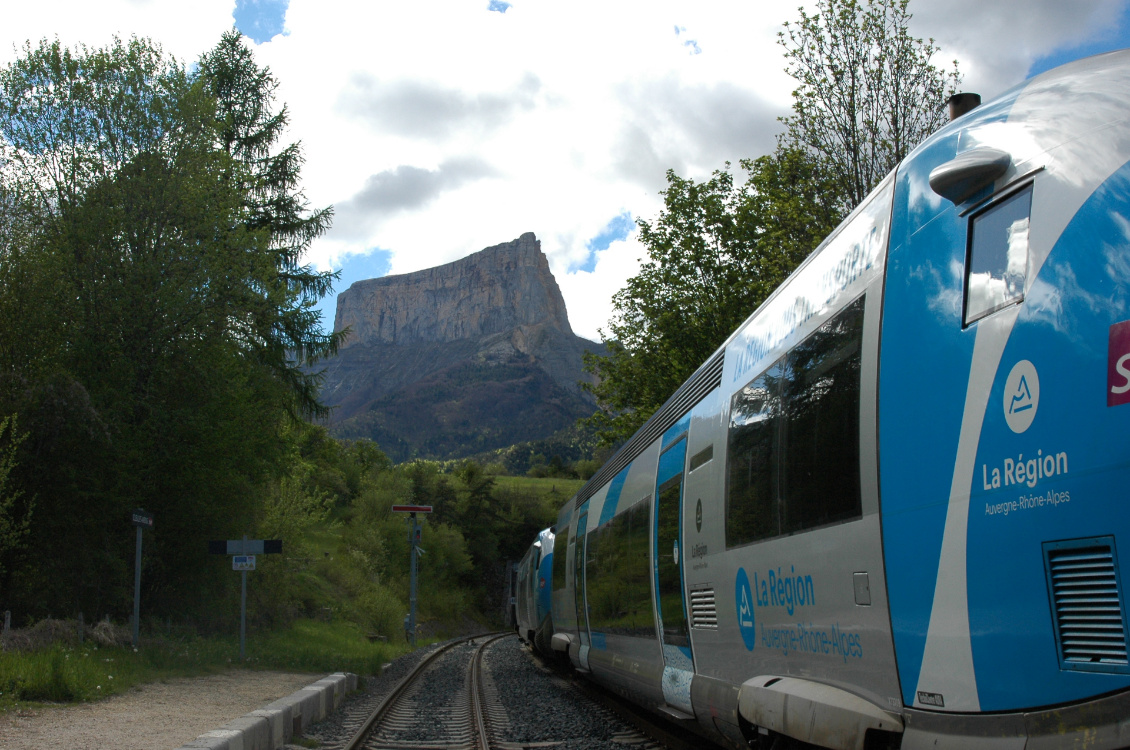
point(290, 340)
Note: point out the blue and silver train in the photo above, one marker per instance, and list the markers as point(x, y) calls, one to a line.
point(888, 511)
point(532, 596)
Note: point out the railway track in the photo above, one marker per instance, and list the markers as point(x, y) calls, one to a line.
point(430, 709)
point(486, 693)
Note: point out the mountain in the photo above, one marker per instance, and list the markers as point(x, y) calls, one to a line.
point(458, 359)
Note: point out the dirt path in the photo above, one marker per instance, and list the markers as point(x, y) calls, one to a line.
point(157, 716)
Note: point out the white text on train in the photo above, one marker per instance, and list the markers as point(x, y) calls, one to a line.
point(1024, 471)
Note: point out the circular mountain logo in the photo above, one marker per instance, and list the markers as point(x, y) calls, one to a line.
point(698, 516)
point(1021, 396)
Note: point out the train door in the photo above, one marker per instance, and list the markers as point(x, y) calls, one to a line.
point(579, 586)
point(670, 607)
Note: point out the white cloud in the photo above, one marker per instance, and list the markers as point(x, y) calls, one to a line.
point(402, 189)
point(996, 43)
point(441, 128)
point(587, 294)
point(184, 29)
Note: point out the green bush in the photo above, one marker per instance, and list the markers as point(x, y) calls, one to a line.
point(381, 610)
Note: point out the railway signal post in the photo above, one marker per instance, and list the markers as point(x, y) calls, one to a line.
point(414, 533)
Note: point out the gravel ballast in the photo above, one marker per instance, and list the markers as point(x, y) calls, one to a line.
point(541, 707)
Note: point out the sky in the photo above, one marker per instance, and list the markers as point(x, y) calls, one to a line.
point(438, 128)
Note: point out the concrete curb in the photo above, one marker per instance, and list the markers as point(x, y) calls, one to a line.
point(272, 726)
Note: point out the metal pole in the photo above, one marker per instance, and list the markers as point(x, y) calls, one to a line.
point(243, 605)
point(136, 587)
point(412, 580)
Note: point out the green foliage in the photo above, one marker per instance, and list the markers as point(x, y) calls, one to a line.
point(15, 513)
point(867, 93)
point(566, 448)
point(479, 521)
point(153, 271)
point(715, 253)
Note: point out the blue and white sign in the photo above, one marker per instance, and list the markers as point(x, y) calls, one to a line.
point(243, 562)
point(743, 598)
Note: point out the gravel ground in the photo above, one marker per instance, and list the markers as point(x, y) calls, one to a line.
point(541, 708)
point(149, 717)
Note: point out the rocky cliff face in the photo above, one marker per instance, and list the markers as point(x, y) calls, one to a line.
point(457, 359)
point(495, 290)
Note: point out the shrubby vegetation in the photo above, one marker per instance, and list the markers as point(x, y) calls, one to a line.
point(350, 552)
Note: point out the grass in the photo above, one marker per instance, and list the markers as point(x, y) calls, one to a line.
point(313, 646)
point(62, 673)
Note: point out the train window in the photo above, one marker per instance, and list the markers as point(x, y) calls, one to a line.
point(751, 503)
point(669, 589)
point(793, 455)
point(579, 568)
point(703, 457)
point(561, 544)
point(619, 591)
point(997, 263)
point(635, 573)
point(820, 463)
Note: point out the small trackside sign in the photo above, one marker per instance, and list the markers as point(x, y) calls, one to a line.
point(1118, 365)
point(243, 562)
point(411, 509)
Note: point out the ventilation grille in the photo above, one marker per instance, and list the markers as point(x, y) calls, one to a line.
point(1089, 620)
point(704, 614)
point(705, 379)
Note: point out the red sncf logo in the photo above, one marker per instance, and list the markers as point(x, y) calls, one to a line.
point(1118, 365)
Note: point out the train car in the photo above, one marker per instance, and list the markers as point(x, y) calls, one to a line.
point(886, 512)
point(534, 624)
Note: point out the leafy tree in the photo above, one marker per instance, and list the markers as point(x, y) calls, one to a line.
point(15, 516)
point(867, 91)
point(715, 253)
point(164, 319)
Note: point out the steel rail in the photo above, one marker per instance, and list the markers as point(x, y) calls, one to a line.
point(474, 685)
point(401, 687)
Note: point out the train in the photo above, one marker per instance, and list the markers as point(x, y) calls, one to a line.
point(531, 614)
point(886, 512)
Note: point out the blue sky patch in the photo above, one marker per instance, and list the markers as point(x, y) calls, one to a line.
point(498, 5)
point(355, 268)
point(1108, 40)
point(690, 44)
point(260, 20)
point(617, 229)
